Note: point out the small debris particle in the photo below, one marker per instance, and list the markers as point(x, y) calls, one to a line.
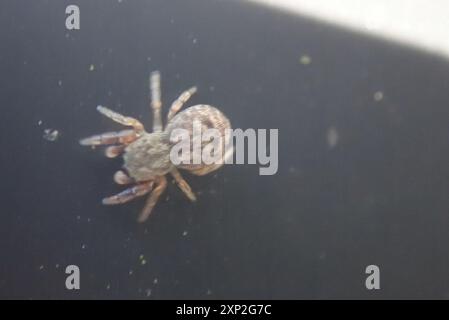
point(185, 233)
point(60, 83)
point(39, 122)
point(155, 281)
point(108, 286)
point(91, 67)
point(208, 292)
point(332, 137)
point(142, 260)
point(378, 96)
point(195, 40)
point(293, 170)
point(57, 266)
point(130, 272)
point(305, 59)
point(148, 292)
point(41, 267)
point(83, 246)
point(51, 134)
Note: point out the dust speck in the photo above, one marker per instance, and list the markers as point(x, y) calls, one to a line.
point(91, 67)
point(378, 96)
point(322, 256)
point(332, 137)
point(51, 134)
point(142, 260)
point(305, 59)
point(293, 171)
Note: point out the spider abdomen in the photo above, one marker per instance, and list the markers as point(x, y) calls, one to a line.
point(208, 117)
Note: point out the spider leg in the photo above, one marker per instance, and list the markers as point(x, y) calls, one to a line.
point(156, 104)
point(123, 137)
point(117, 117)
point(121, 177)
point(114, 151)
point(161, 184)
point(178, 103)
point(129, 194)
point(183, 185)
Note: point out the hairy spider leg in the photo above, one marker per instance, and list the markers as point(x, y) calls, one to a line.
point(161, 185)
point(183, 185)
point(178, 103)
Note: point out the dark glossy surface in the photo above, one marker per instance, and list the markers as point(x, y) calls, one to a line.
point(380, 196)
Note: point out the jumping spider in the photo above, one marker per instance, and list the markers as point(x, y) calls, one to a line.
point(147, 155)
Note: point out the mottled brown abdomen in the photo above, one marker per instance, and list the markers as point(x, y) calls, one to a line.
point(209, 117)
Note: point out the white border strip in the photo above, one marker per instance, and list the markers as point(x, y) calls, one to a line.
point(421, 23)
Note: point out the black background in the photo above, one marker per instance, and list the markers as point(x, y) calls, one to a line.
point(379, 197)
